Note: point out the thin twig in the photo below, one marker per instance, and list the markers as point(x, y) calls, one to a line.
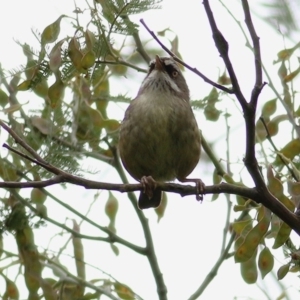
point(262, 195)
point(55, 266)
point(150, 250)
point(268, 137)
point(213, 272)
point(227, 196)
point(112, 238)
point(206, 79)
point(270, 82)
point(222, 46)
point(24, 155)
point(140, 48)
point(121, 62)
point(257, 56)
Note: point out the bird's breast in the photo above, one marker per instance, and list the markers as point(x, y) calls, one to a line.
point(157, 137)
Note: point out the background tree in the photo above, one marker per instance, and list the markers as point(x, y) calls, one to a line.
point(71, 123)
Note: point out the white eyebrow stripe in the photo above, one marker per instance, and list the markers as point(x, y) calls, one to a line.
point(168, 62)
point(152, 62)
point(164, 76)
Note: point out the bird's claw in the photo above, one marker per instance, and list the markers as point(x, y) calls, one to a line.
point(200, 189)
point(149, 185)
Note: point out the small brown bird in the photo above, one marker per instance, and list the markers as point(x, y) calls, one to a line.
point(159, 137)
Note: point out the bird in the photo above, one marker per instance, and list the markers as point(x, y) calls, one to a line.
point(159, 139)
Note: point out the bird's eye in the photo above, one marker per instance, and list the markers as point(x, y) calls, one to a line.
point(174, 74)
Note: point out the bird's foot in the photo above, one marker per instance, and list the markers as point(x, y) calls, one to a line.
point(200, 186)
point(150, 196)
point(149, 185)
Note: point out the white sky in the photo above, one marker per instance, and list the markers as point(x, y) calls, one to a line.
point(188, 238)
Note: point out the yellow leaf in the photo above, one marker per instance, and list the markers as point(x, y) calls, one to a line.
point(89, 39)
point(75, 54)
point(124, 291)
point(51, 32)
point(282, 235)
point(269, 108)
point(290, 150)
point(11, 291)
point(56, 92)
point(111, 207)
point(3, 98)
point(250, 243)
point(249, 269)
point(55, 57)
point(24, 86)
point(88, 60)
point(282, 271)
point(265, 261)
point(37, 196)
point(286, 53)
point(160, 210)
point(292, 75)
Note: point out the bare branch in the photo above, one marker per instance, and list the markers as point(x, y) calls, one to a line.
point(194, 70)
point(121, 62)
point(222, 47)
point(112, 237)
point(257, 56)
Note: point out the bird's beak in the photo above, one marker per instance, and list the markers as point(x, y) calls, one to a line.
point(158, 64)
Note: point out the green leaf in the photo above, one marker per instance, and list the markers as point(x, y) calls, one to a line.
point(56, 92)
point(290, 150)
point(24, 86)
point(124, 291)
point(285, 54)
point(111, 207)
point(269, 108)
point(265, 262)
point(75, 54)
point(51, 32)
point(55, 59)
point(282, 235)
point(89, 39)
point(160, 210)
point(249, 269)
point(88, 60)
point(248, 247)
point(282, 271)
point(3, 98)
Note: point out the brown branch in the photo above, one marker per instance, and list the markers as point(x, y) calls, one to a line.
point(257, 55)
point(194, 70)
point(222, 46)
point(20, 141)
point(121, 62)
point(184, 190)
point(261, 195)
point(24, 155)
point(140, 48)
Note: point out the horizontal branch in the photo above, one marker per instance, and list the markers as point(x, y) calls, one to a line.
point(267, 200)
